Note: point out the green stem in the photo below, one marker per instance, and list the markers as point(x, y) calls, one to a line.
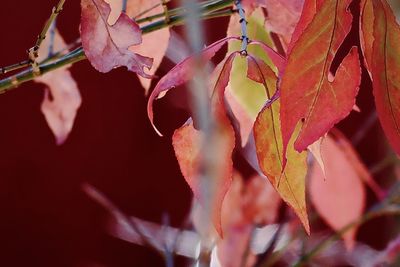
point(79, 55)
point(56, 10)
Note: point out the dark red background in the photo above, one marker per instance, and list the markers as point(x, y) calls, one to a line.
point(45, 218)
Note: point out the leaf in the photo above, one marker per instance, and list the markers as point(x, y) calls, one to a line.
point(107, 46)
point(340, 198)
point(354, 159)
point(308, 94)
point(188, 143)
point(289, 182)
point(237, 229)
point(182, 73)
point(154, 44)
point(315, 149)
point(308, 11)
point(366, 34)
point(283, 16)
point(62, 98)
point(382, 52)
point(246, 204)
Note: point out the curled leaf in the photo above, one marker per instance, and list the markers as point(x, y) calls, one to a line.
point(182, 73)
point(107, 46)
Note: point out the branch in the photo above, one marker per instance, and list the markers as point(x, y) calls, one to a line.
point(208, 11)
point(33, 52)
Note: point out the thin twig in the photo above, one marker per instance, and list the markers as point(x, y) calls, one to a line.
point(33, 52)
point(365, 127)
point(52, 38)
point(166, 12)
point(100, 198)
point(15, 66)
point(56, 10)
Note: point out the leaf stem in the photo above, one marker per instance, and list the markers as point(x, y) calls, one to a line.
point(124, 5)
point(243, 23)
point(78, 54)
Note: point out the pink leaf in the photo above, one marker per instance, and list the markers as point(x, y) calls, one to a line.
point(283, 16)
point(107, 46)
point(340, 198)
point(62, 99)
point(154, 44)
point(246, 205)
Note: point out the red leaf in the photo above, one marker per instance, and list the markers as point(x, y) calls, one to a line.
point(187, 142)
point(340, 198)
point(107, 46)
point(381, 51)
point(306, 91)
